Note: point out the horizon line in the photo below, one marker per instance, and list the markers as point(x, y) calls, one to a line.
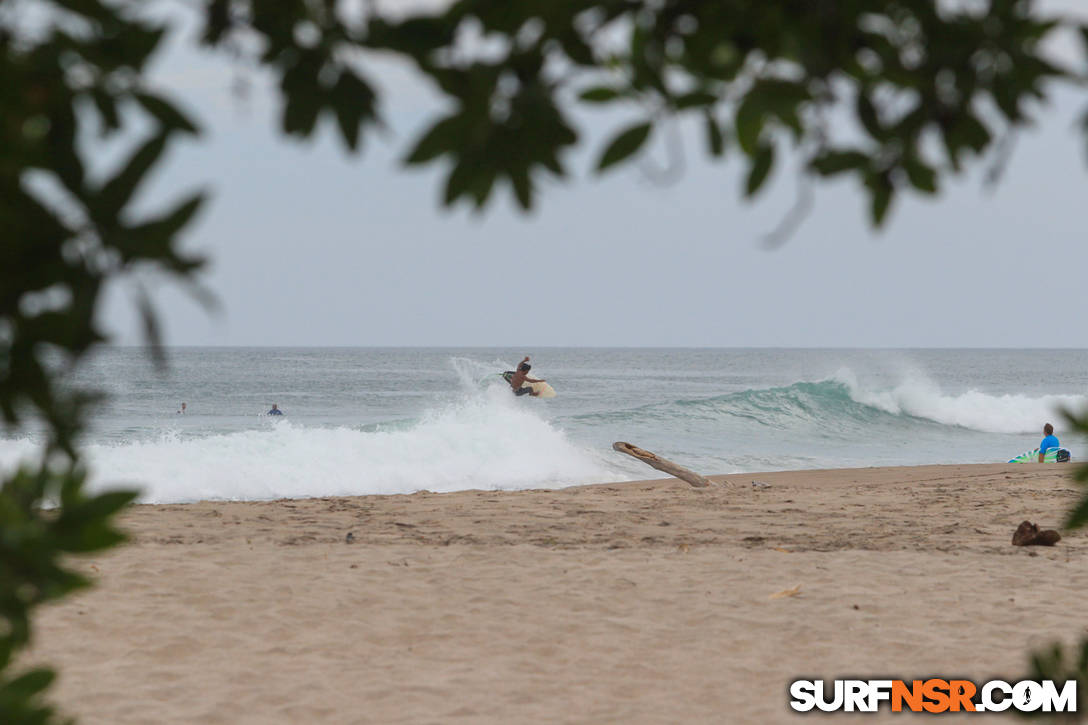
point(589, 347)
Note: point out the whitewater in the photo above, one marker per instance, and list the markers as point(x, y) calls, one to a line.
point(389, 421)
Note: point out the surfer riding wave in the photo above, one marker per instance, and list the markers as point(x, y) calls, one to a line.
point(516, 378)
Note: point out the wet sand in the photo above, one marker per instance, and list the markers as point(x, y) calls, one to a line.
point(640, 602)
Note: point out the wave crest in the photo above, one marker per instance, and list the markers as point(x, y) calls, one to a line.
point(841, 406)
point(486, 441)
point(922, 398)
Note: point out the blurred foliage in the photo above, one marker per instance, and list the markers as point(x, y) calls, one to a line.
point(1078, 517)
point(65, 232)
point(70, 76)
point(1057, 662)
point(1060, 664)
point(32, 544)
point(896, 94)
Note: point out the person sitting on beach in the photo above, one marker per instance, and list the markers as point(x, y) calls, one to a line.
point(1051, 441)
point(521, 375)
point(275, 410)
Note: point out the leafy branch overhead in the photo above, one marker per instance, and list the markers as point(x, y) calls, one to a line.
point(894, 93)
point(897, 94)
point(79, 74)
point(33, 570)
point(69, 76)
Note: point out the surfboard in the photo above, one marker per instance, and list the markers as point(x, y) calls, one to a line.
point(540, 390)
point(1051, 456)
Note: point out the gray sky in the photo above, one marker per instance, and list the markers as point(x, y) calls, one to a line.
point(310, 246)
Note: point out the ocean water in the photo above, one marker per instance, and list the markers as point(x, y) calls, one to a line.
point(368, 421)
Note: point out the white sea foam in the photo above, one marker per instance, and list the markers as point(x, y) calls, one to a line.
point(922, 398)
point(488, 440)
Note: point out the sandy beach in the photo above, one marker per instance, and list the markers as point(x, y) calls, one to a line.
point(638, 602)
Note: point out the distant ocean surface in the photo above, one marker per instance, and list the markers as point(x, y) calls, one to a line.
point(380, 421)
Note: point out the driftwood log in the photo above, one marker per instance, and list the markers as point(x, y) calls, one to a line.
point(661, 464)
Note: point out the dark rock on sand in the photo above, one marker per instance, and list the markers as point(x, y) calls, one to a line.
point(1028, 534)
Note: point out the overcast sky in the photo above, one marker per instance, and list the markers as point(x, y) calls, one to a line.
point(310, 246)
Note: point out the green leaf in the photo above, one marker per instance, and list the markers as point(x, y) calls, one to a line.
point(92, 9)
point(136, 43)
point(972, 133)
point(578, 50)
point(152, 333)
point(353, 101)
point(480, 189)
point(695, 99)
point(217, 21)
point(714, 138)
point(303, 93)
point(922, 176)
point(770, 98)
point(107, 110)
point(7, 649)
point(760, 169)
point(624, 145)
point(599, 94)
point(551, 162)
point(87, 538)
point(165, 227)
point(413, 37)
point(443, 137)
point(458, 182)
point(99, 508)
point(300, 113)
point(523, 190)
point(117, 192)
point(1078, 517)
point(831, 163)
point(882, 198)
point(28, 685)
point(1008, 100)
point(749, 121)
point(166, 113)
point(868, 116)
point(784, 100)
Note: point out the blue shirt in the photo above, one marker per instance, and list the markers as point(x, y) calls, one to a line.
point(1051, 441)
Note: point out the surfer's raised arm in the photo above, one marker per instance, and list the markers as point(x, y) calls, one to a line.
point(527, 379)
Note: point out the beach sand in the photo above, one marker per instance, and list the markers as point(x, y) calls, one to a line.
point(643, 602)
